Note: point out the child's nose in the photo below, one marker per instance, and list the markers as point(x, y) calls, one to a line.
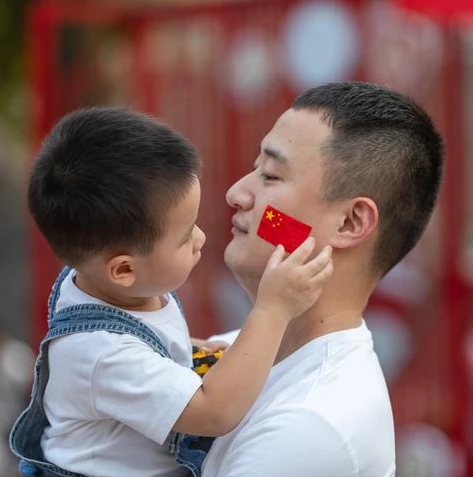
point(200, 239)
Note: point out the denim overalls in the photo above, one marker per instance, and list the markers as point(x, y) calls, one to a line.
point(26, 434)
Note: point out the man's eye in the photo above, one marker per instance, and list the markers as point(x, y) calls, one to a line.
point(267, 177)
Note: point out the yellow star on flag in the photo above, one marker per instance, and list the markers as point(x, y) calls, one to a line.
point(269, 215)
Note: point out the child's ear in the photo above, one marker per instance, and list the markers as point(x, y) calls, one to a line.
point(359, 220)
point(121, 271)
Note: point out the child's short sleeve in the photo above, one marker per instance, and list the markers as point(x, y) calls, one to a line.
point(138, 387)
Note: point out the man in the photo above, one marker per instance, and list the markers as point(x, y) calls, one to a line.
point(362, 166)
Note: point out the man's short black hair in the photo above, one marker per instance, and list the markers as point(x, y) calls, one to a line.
point(383, 146)
point(107, 177)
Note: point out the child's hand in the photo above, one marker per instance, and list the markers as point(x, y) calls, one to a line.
point(210, 346)
point(292, 285)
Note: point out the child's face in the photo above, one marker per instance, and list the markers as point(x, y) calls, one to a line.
point(176, 253)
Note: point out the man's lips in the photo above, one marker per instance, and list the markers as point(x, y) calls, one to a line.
point(237, 225)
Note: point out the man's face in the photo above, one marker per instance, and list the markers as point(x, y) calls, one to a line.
point(287, 175)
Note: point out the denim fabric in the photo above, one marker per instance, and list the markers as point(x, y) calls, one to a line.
point(25, 436)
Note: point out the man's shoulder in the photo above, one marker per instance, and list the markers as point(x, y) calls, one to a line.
point(346, 397)
point(299, 437)
point(351, 392)
point(292, 437)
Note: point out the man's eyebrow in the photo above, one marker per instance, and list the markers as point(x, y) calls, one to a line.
point(274, 154)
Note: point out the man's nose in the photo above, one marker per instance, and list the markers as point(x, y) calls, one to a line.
point(240, 195)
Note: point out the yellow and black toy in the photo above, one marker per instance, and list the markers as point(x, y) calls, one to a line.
point(204, 360)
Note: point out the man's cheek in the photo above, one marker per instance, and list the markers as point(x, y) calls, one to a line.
point(278, 227)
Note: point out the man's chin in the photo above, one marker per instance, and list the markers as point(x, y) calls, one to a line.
point(244, 266)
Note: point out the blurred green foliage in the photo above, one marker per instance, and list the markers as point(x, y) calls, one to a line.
point(12, 63)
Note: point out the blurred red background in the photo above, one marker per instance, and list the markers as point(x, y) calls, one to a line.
point(222, 72)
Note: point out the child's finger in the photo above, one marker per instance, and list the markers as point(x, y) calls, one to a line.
point(302, 253)
point(217, 345)
point(324, 274)
point(276, 257)
point(318, 263)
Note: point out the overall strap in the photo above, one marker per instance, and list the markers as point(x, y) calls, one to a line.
point(82, 319)
point(54, 296)
point(27, 431)
point(93, 317)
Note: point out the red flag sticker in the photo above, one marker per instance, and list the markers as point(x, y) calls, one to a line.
point(278, 228)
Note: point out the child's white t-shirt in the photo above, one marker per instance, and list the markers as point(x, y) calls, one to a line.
point(111, 400)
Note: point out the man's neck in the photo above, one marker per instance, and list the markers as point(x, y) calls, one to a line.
point(339, 308)
point(313, 324)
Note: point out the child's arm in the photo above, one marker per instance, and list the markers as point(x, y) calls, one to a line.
point(287, 289)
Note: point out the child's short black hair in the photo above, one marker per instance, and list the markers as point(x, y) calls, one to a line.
point(107, 177)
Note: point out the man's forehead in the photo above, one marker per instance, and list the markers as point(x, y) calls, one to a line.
point(303, 123)
point(296, 133)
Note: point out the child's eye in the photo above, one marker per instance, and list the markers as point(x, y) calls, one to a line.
point(267, 177)
point(188, 237)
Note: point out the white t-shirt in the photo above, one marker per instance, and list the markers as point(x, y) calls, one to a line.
point(111, 400)
point(324, 412)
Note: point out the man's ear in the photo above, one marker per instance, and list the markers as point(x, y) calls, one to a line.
point(359, 220)
point(121, 270)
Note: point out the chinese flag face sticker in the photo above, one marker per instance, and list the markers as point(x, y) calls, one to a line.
point(278, 228)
